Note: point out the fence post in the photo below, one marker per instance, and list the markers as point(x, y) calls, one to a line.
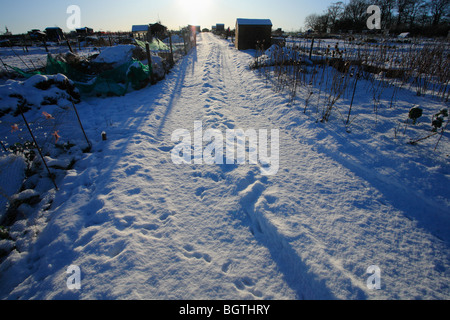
point(184, 41)
point(45, 45)
point(312, 46)
point(149, 58)
point(171, 48)
point(68, 45)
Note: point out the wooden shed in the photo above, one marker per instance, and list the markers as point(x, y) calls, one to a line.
point(54, 34)
point(157, 30)
point(250, 31)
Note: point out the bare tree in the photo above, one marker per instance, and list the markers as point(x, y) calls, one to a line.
point(413, 11)
point(401, 6)
point(423, 14)
point(335, 12)
point(387, 8)
point(312, 21)
point(356, 11)
point(439, 9)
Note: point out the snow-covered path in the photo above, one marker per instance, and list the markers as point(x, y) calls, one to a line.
point(142, 227)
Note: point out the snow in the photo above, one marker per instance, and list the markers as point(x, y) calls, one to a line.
point(116, 55)
point(141, 227)
point(176, 39)
point(12, 90)
point(12, 169)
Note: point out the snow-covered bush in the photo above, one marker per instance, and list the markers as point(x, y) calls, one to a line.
point(415, 113)
point(438, 119)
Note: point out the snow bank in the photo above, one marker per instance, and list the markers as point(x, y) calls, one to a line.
point(37, 91)
point(276, 55)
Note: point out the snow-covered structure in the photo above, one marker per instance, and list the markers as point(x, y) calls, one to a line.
point(250, 31)
point(140, 32)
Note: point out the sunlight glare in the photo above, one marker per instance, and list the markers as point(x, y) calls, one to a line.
point(195, 10)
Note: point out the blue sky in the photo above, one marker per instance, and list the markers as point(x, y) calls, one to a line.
point(21, 16)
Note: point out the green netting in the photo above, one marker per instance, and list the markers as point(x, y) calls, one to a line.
point(110, 82)
point(155, 45)
point(23, 73)
point(54, 67)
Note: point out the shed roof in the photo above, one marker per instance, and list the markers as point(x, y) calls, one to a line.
point(254, 22)
point(140, 28)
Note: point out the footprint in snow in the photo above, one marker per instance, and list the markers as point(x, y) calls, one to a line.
point(134, 191)
point(189, 252)
point(165, 148)
point(226, 266)
point(116, 249)
point(247, 284)
point(131, 170)
point(200, 191)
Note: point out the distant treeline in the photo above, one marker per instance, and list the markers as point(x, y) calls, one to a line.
point(419, 17)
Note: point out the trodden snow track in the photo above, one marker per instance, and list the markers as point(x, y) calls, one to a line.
point(141, 227)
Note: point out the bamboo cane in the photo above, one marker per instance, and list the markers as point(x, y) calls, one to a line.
point(81, 125)
point(35, 142)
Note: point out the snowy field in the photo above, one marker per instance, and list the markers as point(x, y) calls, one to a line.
point(141, 227)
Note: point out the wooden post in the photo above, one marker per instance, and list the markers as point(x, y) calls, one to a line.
point(25, 46)
point(35, 69)
point(171, 48)
point(184, 40)
point(68, 45)
point(45, 45)
point(312, 46)
point(149, 59)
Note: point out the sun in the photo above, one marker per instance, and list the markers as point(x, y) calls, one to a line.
point(195, 10)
